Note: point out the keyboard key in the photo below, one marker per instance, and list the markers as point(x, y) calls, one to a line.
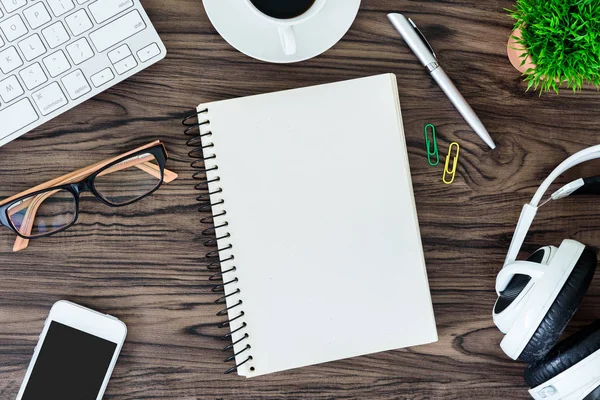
point(79, 22)
point(37, 15)
point(82, 1)
point(119, 53)
point(33, 76)
point(13, 27)
point(50, 98)
point(102, 77)
point(10, 89)
point(56, 63)
point(103, 10)
point(1, 42)
point(12, 5)
point(125, 65)
point(60, 7)
point(80, 51)
point(55, 34)
point(117, 30)
point(17, 116)
point(10, 60)
point(76, 84)
point(32, 47)
point(148, 52)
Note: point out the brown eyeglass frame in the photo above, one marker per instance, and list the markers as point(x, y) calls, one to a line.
point(85, 178)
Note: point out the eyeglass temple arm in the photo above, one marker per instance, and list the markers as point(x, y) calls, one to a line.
point(146, 166)
point(154, 170)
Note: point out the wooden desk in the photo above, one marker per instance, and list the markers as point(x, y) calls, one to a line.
point(144, 263)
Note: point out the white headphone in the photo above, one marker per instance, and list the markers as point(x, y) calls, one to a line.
point(538, 297)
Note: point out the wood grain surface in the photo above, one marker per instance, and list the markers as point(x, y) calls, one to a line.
point(144, 263)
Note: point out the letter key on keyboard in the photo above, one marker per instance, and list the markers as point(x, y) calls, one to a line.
point(37, 15)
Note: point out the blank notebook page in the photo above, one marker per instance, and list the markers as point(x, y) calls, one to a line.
point(322, 223)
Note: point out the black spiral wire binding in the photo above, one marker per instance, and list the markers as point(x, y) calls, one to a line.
point(194, 130)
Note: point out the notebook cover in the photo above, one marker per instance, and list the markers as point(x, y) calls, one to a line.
point(322, 224)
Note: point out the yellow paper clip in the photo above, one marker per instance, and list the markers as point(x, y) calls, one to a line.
point(451, 172)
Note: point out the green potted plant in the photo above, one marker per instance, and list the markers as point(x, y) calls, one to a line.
point(556, 43)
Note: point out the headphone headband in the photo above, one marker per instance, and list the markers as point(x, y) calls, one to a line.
point(529, 210)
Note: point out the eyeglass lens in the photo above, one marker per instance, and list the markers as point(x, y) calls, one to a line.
point(129, 180)
point(43, 213)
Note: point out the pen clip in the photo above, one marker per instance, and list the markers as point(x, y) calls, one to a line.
point(422, 37)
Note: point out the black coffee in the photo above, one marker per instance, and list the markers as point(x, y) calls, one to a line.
point(283, 9)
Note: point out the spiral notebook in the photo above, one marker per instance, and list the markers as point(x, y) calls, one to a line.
point(318, 239)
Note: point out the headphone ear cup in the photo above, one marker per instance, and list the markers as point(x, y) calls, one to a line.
point(568, 353)
point(562, 310)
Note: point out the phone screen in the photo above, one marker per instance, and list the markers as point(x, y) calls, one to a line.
point(71, 365)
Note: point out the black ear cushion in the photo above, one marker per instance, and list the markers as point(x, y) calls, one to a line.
point(568, 353)
point(562, 310)
point(595, 395)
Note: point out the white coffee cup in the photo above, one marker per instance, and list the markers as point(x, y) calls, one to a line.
point(287, 34)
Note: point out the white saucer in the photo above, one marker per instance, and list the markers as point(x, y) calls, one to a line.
point(258, 38)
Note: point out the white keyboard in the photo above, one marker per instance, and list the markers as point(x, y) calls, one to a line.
point(55, 54)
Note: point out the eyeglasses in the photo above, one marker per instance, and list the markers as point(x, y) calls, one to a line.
point(53, 206)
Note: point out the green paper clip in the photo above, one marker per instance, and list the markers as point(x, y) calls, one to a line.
point(435, 151)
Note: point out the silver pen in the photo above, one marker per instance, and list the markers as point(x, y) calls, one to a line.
point(419, 45)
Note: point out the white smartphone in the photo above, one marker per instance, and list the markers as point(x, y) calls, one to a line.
point(75, 355)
